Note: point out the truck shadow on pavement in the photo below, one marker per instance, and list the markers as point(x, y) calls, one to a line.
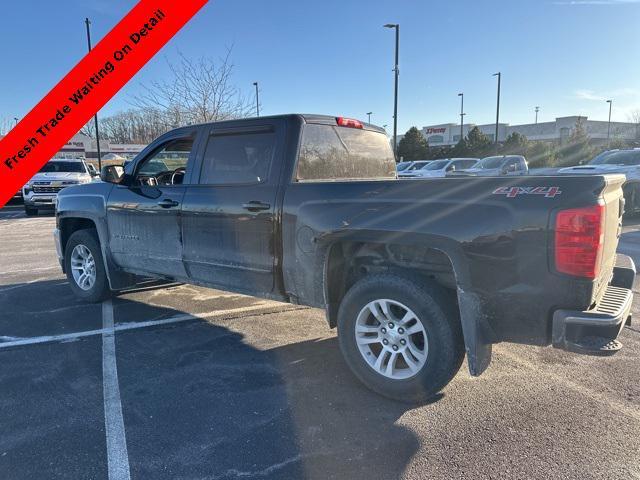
point(202, 401)
point(199, 401)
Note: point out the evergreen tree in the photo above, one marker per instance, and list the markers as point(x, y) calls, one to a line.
point(577, 149)
point(516, 144)
point(461, 149)
point(478, 144)
point(413, 145)
point(540, 154)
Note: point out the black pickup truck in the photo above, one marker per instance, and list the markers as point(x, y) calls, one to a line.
point(307, 209)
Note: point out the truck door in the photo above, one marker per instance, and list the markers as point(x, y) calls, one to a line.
point(143, 216)
point(229, 222)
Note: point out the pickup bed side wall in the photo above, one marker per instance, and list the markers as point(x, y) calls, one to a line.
point(498, 245)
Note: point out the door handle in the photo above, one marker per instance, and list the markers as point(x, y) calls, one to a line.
point(255, 206)
point(168, 203)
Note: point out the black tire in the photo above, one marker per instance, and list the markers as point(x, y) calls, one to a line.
point(100, 289)
point(30, 211)
point(437, 310)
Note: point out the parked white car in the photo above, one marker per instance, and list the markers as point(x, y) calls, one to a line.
point(41, 191)
point(615, 161)
point(403, 166)
point(440, 168)
point(411, 170)
point(496, 166)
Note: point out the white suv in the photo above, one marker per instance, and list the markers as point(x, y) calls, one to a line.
point(41, 191)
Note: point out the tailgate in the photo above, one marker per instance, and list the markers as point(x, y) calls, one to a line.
point(614, 208)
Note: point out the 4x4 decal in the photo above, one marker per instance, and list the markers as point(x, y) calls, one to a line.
point(511, 192)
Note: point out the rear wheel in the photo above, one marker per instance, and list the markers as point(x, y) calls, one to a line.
point(401, 336)
point(30, 211)
point(85, 268)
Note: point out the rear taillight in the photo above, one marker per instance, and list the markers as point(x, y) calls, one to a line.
point(348, 122)
point(579, 241)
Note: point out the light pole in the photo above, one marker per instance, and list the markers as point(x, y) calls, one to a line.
point(462, 114)
point(369, 115)
point(255, 84)
point(395, 95)
point(95, 117)
point(537, 110)
point(610, 102)
point(499, 75)
point(15, 119)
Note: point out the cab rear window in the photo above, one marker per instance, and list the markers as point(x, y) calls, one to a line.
point(332, 153)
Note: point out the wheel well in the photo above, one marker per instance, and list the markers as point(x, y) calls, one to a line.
point(348, 262)
point(70, 225)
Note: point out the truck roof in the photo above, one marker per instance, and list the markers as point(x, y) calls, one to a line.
point(306, 117)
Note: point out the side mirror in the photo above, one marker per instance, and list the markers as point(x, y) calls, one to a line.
point(451, 168)
point(92, 170)
point(112, 173)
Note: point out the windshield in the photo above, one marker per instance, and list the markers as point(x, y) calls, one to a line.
point(403, 166)
point(437, 165)
point(490, 162)
point(65, 167)
point(417, 166)
point(625, 157)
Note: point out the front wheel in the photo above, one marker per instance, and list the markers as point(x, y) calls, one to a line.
point(85, 268)
point(401, 336)
point(30, 211)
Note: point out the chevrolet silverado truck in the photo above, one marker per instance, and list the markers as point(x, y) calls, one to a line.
point(307, 209)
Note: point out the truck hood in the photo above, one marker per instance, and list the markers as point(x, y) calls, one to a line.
point(476, 172)
point(598, 169)
point(632, 172)
point(60, 176)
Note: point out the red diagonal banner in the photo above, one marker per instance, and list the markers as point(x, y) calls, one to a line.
point(87, 87)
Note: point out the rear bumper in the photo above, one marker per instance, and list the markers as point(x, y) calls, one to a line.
point(595, 331)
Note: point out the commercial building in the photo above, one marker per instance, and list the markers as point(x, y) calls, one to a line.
point(448, 134)
point(83, 146)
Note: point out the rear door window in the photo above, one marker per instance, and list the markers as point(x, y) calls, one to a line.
point(238, 158)
point(462, 164)
point(340, 153)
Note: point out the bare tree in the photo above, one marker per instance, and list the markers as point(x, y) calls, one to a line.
point(89, 129)
point(140, 125)
point(634, 117)
point(6, 124)
point(198, 91)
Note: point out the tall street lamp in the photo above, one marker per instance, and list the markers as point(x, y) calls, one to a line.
point(255, 84)
point(610, 102)
point(395, 95)
point(499, 75)
point(369, 115)
point(15, 119)
point(95, 117)
point(537, 110)
point(462, 114)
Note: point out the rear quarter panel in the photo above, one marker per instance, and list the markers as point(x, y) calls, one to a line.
point(498, 243)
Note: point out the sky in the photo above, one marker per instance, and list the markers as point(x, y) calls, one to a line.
point(335, 57)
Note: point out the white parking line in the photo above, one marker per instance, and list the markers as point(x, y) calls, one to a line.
point(230, 313)
point(117, 456)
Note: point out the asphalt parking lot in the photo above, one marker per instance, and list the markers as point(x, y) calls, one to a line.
point(185, 382)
